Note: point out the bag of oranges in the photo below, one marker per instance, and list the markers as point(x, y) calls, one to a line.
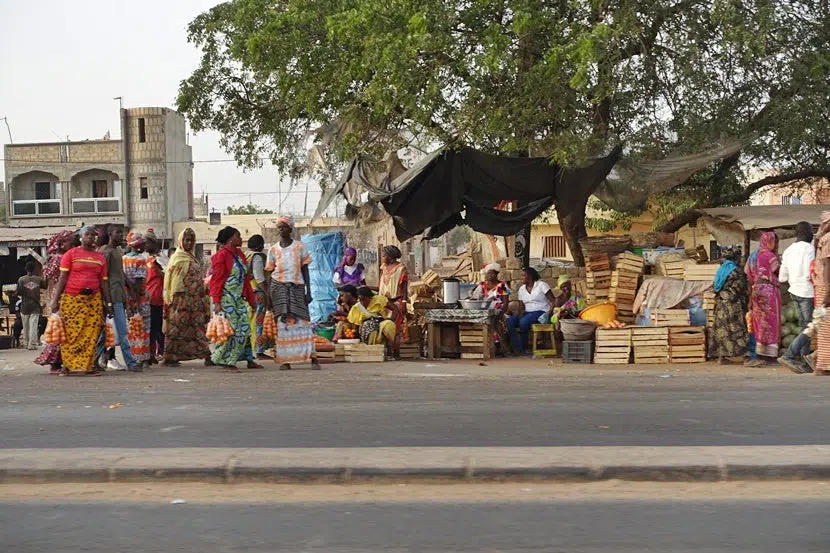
point(54, 333)
point(112, 341)
point(219, 329)
point(269, 326)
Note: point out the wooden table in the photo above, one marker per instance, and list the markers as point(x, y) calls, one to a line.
point(472, 330)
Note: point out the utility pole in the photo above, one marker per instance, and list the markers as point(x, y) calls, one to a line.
point(8, 128)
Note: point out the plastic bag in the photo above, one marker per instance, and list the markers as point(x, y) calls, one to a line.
point(219, 329)
point(269, 326)
point(112, 335)
point(55, 332)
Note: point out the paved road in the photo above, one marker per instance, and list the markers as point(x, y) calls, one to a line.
point(561, 526)
point(414, 404)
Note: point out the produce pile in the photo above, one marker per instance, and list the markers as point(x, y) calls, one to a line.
point(269, 326)
point(137, 336)
point(790, 327)
point(323, 345)
point(219, 329)
point(55, 333)
point(110, 333)
point(350, 332)
point(614, 324)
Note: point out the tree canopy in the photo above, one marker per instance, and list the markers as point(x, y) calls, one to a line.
point(567, 79)
point(250, 209)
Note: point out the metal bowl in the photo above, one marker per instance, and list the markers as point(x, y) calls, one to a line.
point(475, 304)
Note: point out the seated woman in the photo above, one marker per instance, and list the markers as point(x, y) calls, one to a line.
point(370, 313)
point(569, 303)
point(494, 289)
point(537, 298)
point(349, 271)
point(346, 299)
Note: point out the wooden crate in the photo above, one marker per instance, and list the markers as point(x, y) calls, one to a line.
point(650, 344)
point(669, 317)
point(674, 269)
point(708, 301)
point(687, 344)
point(631, 262)
point(612, 346)
point(364, 353)
point(702, 271)
point(598, 262)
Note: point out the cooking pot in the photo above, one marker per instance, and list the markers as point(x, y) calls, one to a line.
point(451, 288)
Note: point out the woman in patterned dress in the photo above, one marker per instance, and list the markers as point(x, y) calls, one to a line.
point(289, 285)
point(58, 245)
point(765, 300)
point(231, 294)
point(729, 336)
point(138, 301)
point(394, 284)
point(187, 310)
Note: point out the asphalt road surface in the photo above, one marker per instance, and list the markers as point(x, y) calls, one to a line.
point(557, 526)
point(414, 404)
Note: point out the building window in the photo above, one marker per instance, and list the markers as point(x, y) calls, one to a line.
point(43, 190)
point(791, 200)
point(554, 246)
point(142, 183)
point(142, 131)
point(99, 189)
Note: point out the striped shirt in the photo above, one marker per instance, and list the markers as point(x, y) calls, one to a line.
point(86, 270)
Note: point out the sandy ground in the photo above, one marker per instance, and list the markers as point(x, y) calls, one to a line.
point(439, 492)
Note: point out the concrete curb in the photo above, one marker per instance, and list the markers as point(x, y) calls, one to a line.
point(566, 464)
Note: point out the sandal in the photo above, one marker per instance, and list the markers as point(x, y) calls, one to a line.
point(285, 367)
point(171, 364)
point(254, 365)
point(230, 368)
point(209, 362)
point(315, 365)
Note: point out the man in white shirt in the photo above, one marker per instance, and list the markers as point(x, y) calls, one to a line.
point(795, 269)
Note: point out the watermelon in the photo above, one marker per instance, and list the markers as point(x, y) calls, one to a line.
point(790, 313)
point(787, 340)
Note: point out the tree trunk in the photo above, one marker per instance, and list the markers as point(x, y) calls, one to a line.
point(572, 222)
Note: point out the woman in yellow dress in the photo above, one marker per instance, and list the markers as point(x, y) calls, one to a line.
point(394, 284)
point(370, 314)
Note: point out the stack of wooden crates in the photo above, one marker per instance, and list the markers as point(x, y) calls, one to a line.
point(364, 353)
point(687, 344)
point(650, 344)
point(613, 346)
point(624, 281)
point(597, 277)
point(474, 340)
point(709, 307)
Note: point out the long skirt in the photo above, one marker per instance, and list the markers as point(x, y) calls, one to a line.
point(185, 322)
point(765, 306)
point(823, 361)
point(375, 331)
point(237, 347)
point(83, 319)
point(295, 340)
point(728, 336)
point(140, 344)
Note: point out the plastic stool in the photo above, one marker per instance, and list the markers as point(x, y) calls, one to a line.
point(539, 331)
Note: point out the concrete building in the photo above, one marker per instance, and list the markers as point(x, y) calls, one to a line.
point(143, 180)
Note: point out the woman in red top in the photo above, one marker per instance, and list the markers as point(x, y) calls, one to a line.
point(155, 290)
point(231, 294)
point(81, 287)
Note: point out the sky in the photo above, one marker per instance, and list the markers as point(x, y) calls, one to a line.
point(63, 62)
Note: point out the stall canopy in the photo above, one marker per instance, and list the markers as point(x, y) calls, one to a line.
point(12, 237)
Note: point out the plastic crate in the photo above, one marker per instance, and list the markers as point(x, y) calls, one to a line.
point(578, 351)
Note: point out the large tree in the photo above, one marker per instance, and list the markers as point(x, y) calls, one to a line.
point(567, 79)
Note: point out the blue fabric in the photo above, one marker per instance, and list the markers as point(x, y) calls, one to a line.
point(522, 324)
point(121, 329)
point(723, 273)
point(326, 251)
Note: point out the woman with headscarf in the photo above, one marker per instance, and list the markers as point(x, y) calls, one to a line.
point(256, 267)
point(231, 293)
point(138, 300)
point(569, 302)
point(349, 271)
point(81, 298)
point(728, 336)
point(821, 282)
point(372, 314)
point(185, 298)
point(492, 288)
point(394, 283)
point(765, 297)
point(290, 291)
point(58, 245)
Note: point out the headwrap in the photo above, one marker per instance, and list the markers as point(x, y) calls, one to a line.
point(177, 268)
point(392, 252)
point(491, 267)
point(286, 219)
point(723, 273)
point(764, 253)
point(55, 242)
point(135, 240)
point(562, 280)
point(348, 253)
point(150, 234)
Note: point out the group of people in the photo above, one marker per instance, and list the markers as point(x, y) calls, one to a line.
point(747, 316)
point(93, 276)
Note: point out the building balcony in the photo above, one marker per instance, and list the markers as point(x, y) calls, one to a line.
point(34, 208)
point(95, 206)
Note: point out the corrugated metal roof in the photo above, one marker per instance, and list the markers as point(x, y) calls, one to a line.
point(30, 236)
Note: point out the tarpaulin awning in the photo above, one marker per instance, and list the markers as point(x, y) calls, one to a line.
point(757, 217)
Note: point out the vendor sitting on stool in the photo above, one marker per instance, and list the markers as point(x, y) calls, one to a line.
point(372, 313)
point(537, 298)
point(569, 302)
point(346, 299)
